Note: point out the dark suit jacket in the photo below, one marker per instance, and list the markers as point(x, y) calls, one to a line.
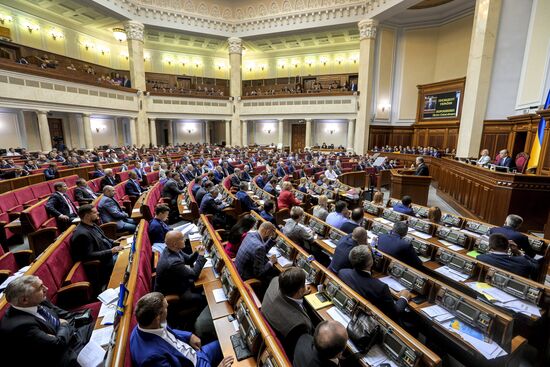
point(157, 230)
point(50, 173)
point(105, 181)
point(507, 162)
point(349, 226)
point(132, 188)
point(57, 206)
point(171, 190)
point(174, 276)
point(286, 317)
point(397, 247)
point(422, 170)
point(32, 341)
point(208, 205)
point(373, 290)
point(199, 195)
point(403, 209)
point(247, 204)
point(519, 238)
point(340, 259)
point(82, 195)
point(306, 355)
point(520, 265)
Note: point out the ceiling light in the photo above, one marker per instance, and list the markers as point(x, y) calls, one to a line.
point(119, 34)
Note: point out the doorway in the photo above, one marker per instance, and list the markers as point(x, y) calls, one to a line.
point(165, 135)
point(298, 140)
point(56, 133)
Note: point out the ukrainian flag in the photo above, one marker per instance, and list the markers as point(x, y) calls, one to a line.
point(537, 144)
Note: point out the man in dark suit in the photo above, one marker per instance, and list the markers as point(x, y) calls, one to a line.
point(324, 348)
point(247, 204)
point(357, 220)
point(196, 185)
point(262, 180)
point(108, 180)
point(89, 243)
point(132, 187)
point(153, 343)
point(405, 206)
point(202, 191)
point(281, 171)
point(421, 167)
point(235, 179)
point(394, 245)
point(37, 333)
point(283, 307)
point(505, 160)
point(360, 279)
point(61, 207)
point(82, 193)
point(171, 190)
point(516, 262)
point(511, 231)
point(51, 172)
point(209, 205)
point(110, 211)
point(218, 175)
point(270, 187)
point(157, 226)
point(251, 260)
point(340, 259)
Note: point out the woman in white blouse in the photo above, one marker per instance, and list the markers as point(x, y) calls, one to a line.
point(484, 159)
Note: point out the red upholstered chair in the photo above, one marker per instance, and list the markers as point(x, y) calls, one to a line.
point(123, 176)
point(25, 196)
point(71, 180)
point(11, 262)
point(39, 227)
point(521, 162)
point(95, 184)
point(497, 159)
point(10, 205)
point(227, 183)
point(41, 190)
point(53, 182)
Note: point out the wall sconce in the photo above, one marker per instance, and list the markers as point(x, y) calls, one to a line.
point(339, 60)
point(282, 64)
point(385, 105)
point(250, 66)
point(189, 130)
point(331, 130)
point(119, 34)
point(5, 18)
point(295, 63)
point(354, 59)
point(221, 65)
point(55, 34)
point(87, 45)
point(197, 64)
point(267, 131)
point(104, 50)
point(168, 60)
point(31, 27)
point(262, 67)
point(124, 54)
point(324, 60)
point(146, 57)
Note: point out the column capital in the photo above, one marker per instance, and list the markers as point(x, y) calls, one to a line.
point(367, 29)
point(308, 120)
point(281, 120)
point(152, 120)
point(42, 112)
point(86, 115)
point(235, 45)
point(134, 30)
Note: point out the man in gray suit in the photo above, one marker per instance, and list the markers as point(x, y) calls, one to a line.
point(283, 307)
point(110, 211)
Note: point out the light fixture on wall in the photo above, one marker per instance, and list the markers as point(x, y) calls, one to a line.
point(250, 66)
point(168, 60)
point(262, 66)
point(221, 65)
point(119, 34)
point(31, 26)
point(190, 130)
point(104, 50)
point(295, 63)
point(267, 131)
point(146, 57)
point(5, 18)
point(323, 60)
point(385, 106)
point(354, 58)
point(56, 34)
point(282, 64)
point(87, 44)
point(124, 54)
point(339, 60)
point(331, 130)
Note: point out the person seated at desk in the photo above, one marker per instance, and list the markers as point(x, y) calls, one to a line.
point(434, 214)
point(98, 170)
point(247, 204)
point(110, 211)
point(505, 160)
point(330, 173)
point(203, 190)
point(296, 231)
point(405, 206)
point(262, 180)
point(270, 187)
point(154, 343)
point(515, 262)
point(245, 174)
point(284, 310)
point(37, 333)
point(378, 198)
point(484, 158)
point(321, 209)
point(157, 226)
point(51, 172)
point(132, 187)
point(511, 227)
point(421, 167)
point(286, 197)
point(175, 276)
point(196, 186)
point(171, 191)
point(89, 243)
point(360, 279)
point(109, 179)
point(237, 234)
point(235, 179)
point(394, 245)
point(357, 220)
point(60, 206)
point(303, 185)
point(83, 193)
point(339, 216)
point(267, 213)
point(251, 260)
point(324, 348)
point(340, 259)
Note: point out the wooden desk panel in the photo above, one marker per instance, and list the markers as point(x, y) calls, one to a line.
point(218, 310)
point(224, 330)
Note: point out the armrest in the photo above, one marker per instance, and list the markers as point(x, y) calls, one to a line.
point(253, 282)
point(13, 215)
point(172, 298)
point(4, 274)
point(23, 257)
point(74, 295)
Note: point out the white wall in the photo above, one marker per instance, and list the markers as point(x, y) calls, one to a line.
point(9, 130)
point(107, 134)
point(261, 135)
point(321, 132)
point(182, 135)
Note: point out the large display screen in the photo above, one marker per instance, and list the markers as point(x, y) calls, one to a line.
point(441, 105)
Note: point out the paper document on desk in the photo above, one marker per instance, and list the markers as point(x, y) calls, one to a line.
point(456, 248)
point(488, 348)
point(109, 295)
point(339, 316)
point(392, 283)
point(109, 317)
point(434, 310)
point(219, 295)
point(106, 308)
point(383, 220)
point(91, 355)
point(446, 243)
point(102, 336)
point(330, 243)
point(521, 306)
point(23, 269)
point(422, 235)
point(452, 274)
point(208, 264)
point(470, 233)
point(283, 261)
point(499, 295)
point(376, 356)
point(195, 237)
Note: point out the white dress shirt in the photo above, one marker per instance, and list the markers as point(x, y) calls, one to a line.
point(331, 175)
point(483, 160)
point(182, 347)
point(32, 310)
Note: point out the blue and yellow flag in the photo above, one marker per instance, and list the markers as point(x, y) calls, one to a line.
point(121, 299)
point(537, 143)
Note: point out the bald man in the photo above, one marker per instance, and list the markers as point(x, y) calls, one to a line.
point(324, 348)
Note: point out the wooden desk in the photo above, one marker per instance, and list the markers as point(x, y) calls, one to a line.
point(224, 330)
point(136, 211)
point(218, 310)
point(404, 182)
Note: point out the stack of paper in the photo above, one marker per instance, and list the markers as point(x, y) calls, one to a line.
point(437, 313)
point(376, 357)
point(339, 316)
point(392, 283)
point(330, 243)
point(488, 348)
point(422, 235)
point(159, 247)
point(452, 274)
point(208, 263)
point(102, 336)
point(470, 233)
point(195, 237)
point(446, 243)
point(383, 220)
point(91, 355)
point(505, 300)
point(109, 295)
point(219, 295)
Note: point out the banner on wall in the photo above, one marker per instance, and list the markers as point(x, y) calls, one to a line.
point(441, 105)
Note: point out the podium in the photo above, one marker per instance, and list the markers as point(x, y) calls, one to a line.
point(404, 182)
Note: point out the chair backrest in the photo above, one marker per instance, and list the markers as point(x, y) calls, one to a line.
point(497, 159)
point(71, 180)
point(521, 162)
point(8, 201)
point(24, 195)
point(41, 190)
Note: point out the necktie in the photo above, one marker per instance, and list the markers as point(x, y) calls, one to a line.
point(72, 209)
point(91, 193)
point(49, 317)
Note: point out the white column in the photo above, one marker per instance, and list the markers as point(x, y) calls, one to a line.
point(87, 127)
point(44, 131)
point(351, 131)
point(280, 132)
point(134, 34)
point(367, 44)
point(153, 131)
point(235, 85)
point(308, 133)
point(170, 133)
point(133, 133)
point(245, 133)
point(67, 133)
point(228, 133)
point(478, 77)
point(207, 131)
